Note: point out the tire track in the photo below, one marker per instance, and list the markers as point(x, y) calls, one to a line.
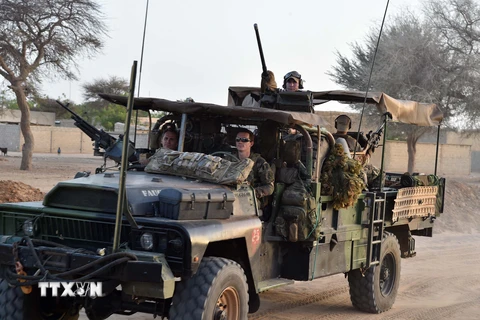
point(322, 296)
point(428, 286)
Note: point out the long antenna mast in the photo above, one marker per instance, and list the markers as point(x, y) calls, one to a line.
point(140, 72)
point(370, 77)
point(143, 46)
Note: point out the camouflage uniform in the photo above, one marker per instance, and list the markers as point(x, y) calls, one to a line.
point(373, 177)
point(261, 177)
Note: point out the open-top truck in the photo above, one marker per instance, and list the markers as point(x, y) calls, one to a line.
point(190, 246)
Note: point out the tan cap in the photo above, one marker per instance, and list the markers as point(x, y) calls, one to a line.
point(297, 80)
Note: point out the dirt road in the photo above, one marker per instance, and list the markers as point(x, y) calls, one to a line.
point(441, 282)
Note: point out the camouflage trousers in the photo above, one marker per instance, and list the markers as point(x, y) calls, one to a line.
point(372, 176)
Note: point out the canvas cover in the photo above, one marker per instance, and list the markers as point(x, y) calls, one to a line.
point(199, 166)
point(198, 108)
point(412, 112)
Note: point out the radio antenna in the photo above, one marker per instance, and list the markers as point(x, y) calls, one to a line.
point(370, 77)
point(140, 72)
point(143, 46)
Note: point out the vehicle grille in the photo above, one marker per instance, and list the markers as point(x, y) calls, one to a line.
point(79, 229)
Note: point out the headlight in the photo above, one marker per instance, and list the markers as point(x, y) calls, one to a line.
point(29, 228)
point(146, 240)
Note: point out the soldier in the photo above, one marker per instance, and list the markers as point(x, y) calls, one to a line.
point(292, 81)
point(343, 123)
point(170, 138)
point(261, 176)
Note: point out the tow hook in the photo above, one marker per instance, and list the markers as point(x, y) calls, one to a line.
point(21, 272)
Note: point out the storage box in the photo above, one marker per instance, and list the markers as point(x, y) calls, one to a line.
point(183, 204)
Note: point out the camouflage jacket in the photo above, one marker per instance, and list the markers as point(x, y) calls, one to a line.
point(261, 177)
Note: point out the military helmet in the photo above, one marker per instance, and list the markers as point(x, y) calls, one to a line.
point(293, 75)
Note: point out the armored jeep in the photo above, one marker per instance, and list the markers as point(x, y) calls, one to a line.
point(190, 247)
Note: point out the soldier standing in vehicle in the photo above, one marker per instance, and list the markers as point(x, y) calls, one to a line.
point(292, 81)
point(261, 176)
point(343, 123)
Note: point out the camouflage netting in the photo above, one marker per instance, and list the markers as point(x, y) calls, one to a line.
point(342, 178)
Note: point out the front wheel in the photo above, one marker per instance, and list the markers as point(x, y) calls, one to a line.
point(375, 290)
point(217, 291)
point(15, 305)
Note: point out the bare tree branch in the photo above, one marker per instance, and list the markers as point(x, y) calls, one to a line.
point(45, 37)
point(431, 58)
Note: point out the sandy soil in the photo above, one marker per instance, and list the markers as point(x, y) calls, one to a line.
point(441, 282)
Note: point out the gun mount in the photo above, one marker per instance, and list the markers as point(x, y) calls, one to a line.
point(112, 147)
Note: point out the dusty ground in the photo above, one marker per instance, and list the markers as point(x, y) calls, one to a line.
point(441, 282)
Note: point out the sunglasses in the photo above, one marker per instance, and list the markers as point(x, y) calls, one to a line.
point(242, 140)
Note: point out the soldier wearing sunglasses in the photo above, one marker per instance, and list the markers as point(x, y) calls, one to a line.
point(261, 176)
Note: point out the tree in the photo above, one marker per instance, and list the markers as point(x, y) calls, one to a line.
point(458, 25)
point(430, 59)
point(105, 113)
point(42, 38)
point(110, 85)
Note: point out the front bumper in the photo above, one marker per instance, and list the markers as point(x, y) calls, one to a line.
point(149, 276)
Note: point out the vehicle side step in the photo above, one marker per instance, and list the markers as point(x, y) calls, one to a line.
point(375, 227)
point(273, 283)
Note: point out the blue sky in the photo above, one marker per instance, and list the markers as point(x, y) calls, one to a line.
point(199, 48)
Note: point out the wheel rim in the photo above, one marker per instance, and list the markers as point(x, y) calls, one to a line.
point(228, 305)
point(387, 274)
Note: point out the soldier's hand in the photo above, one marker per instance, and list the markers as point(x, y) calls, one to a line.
point(266, 76)
point(268, 81)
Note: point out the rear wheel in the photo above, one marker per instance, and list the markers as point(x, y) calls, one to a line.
point(375, 290)
point(217, 291)
point(15, 305)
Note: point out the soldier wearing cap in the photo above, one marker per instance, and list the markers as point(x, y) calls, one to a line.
point(343, 123)
point(292, 81)
point(261, 176)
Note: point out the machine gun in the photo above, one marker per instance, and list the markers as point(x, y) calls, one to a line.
point(262, 58)
point(111, 145)
point(373, 137)
point(101, 138)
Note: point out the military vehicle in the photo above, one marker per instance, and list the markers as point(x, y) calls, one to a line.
point(185, 246)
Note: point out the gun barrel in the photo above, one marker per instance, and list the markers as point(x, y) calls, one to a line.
point(259, 43)
point(68, 109)
point(101, 138)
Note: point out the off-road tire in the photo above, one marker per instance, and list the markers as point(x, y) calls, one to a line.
point(375, 291)
point(15, 305)
point(11, 302)
point(197, 298)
